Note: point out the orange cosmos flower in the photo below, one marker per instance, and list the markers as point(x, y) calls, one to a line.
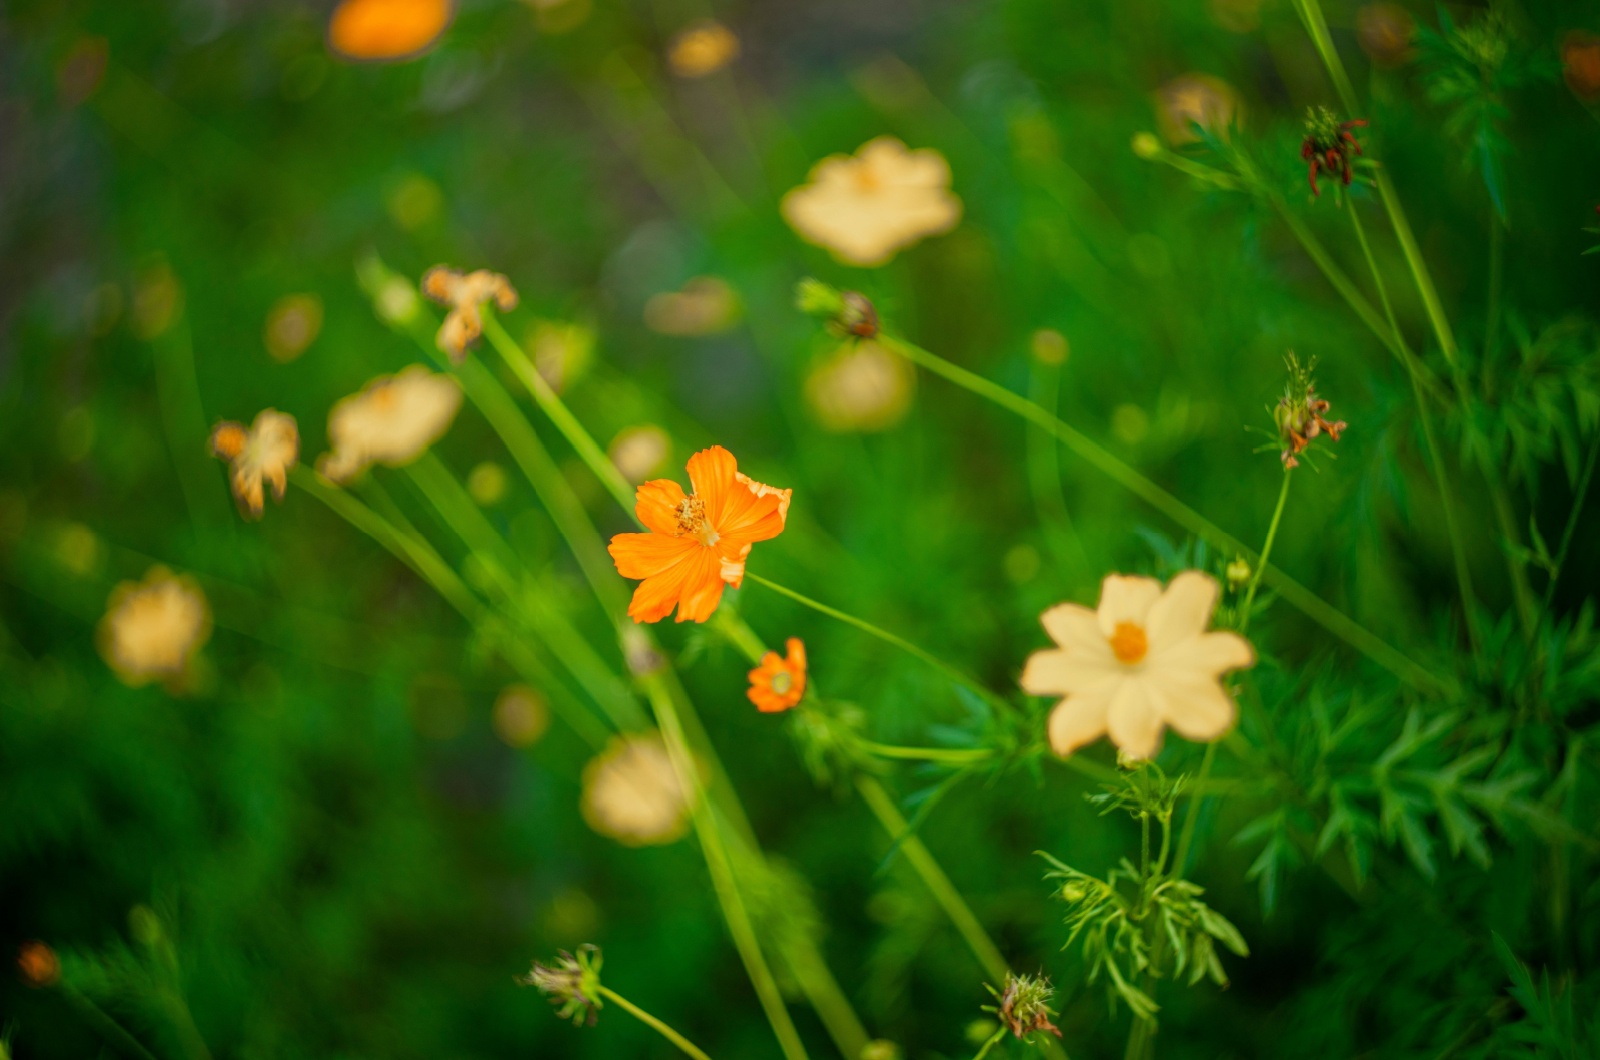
point(697, 542)
point(779, 683)
point(387, 30)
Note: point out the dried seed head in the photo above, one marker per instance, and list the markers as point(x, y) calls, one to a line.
point(1025, 1005)
point(571, 982)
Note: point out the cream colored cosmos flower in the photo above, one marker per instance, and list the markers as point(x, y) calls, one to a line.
point(631, 793)
point(860, 387)
point(1141, 662)
point(153, 629)
point(881, 200)
point(390, 422)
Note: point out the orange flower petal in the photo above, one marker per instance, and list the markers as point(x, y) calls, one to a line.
point(387, 29)
point(657, 505)
point(648, 555)
point(702, 589)
point(711, 473)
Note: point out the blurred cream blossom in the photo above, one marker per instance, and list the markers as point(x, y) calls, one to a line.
point(639, 452)
point(153, 629)
point(702, 49)
point(391, 422)
point(1141, 662)
point(860, 387)
point(706, 305)
point(631, 793)
point(867, 206)
point(1196, 99)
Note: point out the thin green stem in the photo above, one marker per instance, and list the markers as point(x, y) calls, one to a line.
point(552, 406)
point(1297, 595)
point(944, 892)
point(1579, 497)
point(108, 1028)
point(1044, 472)
point(661, 1028)
point(723, 879)
point(1180, 861)
point(1452, 526)
point(884, 635)
point(952, 755)
point(993, 1040)
point(1266, 553)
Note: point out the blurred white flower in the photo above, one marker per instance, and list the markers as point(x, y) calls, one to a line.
point(706, 305)
point(1141, 662)
point(860, 387)
point(639, 452)
point(866, 207)
point(631, 793)
point(152, 629)
point(390, 422)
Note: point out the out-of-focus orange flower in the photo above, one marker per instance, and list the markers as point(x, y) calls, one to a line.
point(779, 683)
point(1385, 32)
point(1580, 63)
point(262, 454)
point(696, 543)
point(702, 49)
point(1196, 99)
point(465, 294)
point(387, 30)
point(39, 964)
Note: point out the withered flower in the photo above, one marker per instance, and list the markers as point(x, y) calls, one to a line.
point(571, 982)
point(465, 294)
point(1024, 1005)
point(1300, 413)
point(1328, 145)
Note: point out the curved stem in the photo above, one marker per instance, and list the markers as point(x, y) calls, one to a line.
point(888, 638)
point(993, 1040)
point(108, 1028)
point(1458, 554)
point(1266, 552)
point(927, 754)
point(657, 1025)
point(944, 892)
point(1329, 617)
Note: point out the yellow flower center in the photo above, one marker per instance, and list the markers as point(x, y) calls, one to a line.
point(782, 681)
point(692, 520)
point(867, 181)
point(1129, 643)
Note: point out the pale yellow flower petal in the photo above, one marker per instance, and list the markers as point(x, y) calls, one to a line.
point(1126, 598)
point(1132, 721)
point(1058, 673)
point(1080, 719)
point(1183, 611)
point(864, 208)
point(1077, 629)
point(1197, 707)
point(1211, 654)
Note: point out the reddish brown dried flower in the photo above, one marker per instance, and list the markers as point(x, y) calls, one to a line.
point(1329, 145)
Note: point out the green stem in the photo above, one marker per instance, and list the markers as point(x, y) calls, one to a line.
point(1266, 552)
point(1469, 603)
point(994, 1039)
point(888, 638)
point(722, 875)
point(953, 755)
point(1044, 472)
point(1572, 521)
point(1521, 588)
point(944, 892)
point(108, 1028)
point(1297, 595)
point(657, 1025)
point(552, 406)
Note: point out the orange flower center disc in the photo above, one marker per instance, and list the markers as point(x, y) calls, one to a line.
point(1129, 643)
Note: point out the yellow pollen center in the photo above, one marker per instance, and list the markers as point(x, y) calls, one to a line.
point(782, 681)
point(1129, 643)
point(867, 181)
point(692, 520)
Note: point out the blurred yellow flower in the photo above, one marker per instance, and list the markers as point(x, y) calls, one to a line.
point(465, 294)
point(639, 452)
point(257, 456)
point(706, 305)
point(702, 49)
point(860, 387)
point(387, 30)
point(521, 716)
point(153, 629)
point(1196, 99)
point(1141, 662)
point(631, 793)
point(561, 351)
point(866, 207)
point(392, 421)
point(293, 323)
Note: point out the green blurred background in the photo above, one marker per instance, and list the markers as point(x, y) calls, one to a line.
point(350, 859)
